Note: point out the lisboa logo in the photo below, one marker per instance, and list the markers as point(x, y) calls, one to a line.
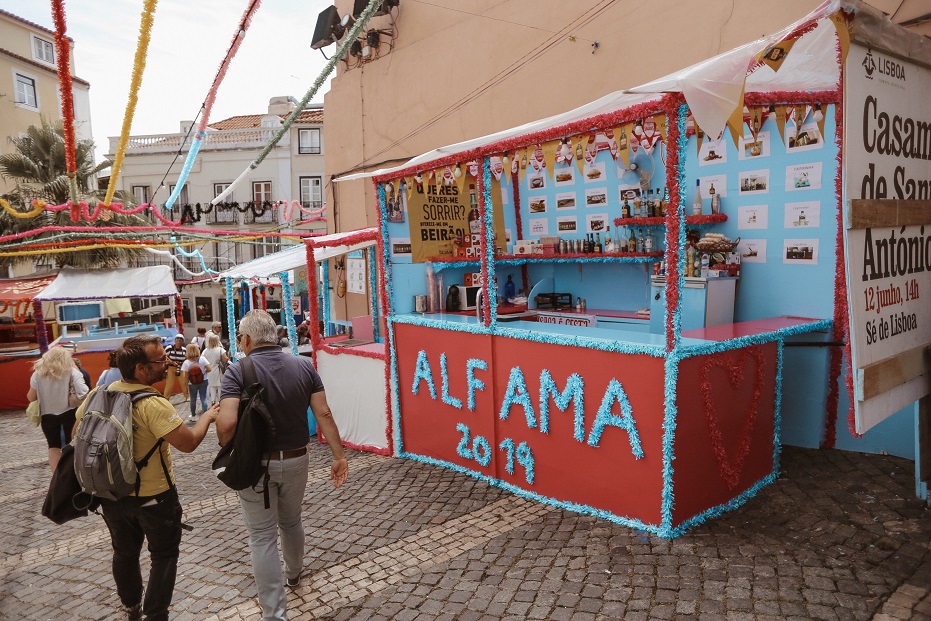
point(869, 64)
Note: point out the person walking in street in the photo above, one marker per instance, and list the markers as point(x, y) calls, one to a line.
point(177, 354)
point(54, 378)
point(84, 374)
point(111, 373)
point(291, 384)
point(217, 328)
point(201, 339)
point(195, 369)
point(216, 357)
point(153, 512)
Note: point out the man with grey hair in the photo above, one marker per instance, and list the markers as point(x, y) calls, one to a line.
point(291, 385)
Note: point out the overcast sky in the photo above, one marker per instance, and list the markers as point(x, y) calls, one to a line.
point(189, 40)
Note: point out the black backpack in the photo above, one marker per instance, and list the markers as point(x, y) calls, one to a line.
point(239, 463)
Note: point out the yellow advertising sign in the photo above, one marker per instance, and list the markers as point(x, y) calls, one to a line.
point(440, 216)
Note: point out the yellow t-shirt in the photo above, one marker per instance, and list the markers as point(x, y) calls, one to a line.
point(153, 417)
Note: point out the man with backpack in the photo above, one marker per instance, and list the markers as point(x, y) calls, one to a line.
point(290, 384)
point(152, 511)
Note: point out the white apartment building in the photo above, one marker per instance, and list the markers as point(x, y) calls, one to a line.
point(293, 170)
point(29, 88)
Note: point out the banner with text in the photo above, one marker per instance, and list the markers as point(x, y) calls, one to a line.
point(887, 154)
point(444, 221)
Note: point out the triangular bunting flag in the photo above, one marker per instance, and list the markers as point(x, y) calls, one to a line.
point(549, 155)
point(622, 139)
point(775, 54)
point(781, 121)
point(736, 122)
point(524, 162)
point(843, 35)
point(460, 177)
point(818, 115)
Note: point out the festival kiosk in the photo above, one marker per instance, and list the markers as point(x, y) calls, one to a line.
point(609, 377)
point(353, 369)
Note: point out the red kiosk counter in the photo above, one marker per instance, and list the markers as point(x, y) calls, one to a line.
point(577, 418)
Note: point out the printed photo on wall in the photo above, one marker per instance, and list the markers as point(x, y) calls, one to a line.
point(565, 175)
point(536, 180)
point(807, 137)
point(565, 200)
point(395, 204)
point(754, 181)
point(803, 215)
point(800, 252)
point(713, 151)
point(803, 177)
point(628, 193)
point(566, 224)
point(539, 226)
point(752, 149)
point(596, 197)
point(537, 204)
point(718, 182)
point(594, 172)
point(753, 217)
point(401, 247)
point(752, 250)
point(204, 309)
point(595, 223)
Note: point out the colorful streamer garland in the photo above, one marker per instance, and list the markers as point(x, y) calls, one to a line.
point(238, 38)
point(145, 33)
point(341, 52)
point(63, 58)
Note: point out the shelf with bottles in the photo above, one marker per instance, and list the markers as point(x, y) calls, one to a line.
point(521, 259)
point(714, 218)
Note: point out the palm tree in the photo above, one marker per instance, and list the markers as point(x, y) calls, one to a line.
point(38, 168)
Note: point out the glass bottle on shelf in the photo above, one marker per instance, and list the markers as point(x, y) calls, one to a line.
point(608, 247)
point(665, 202)
point(648, 242)
point(632, 241)
point(715, 200)
point(475, 226)
point(641, 242)
point(625, 209)
point(696, 202)
point(638, 203)
point(598, 247)
point(658, 203)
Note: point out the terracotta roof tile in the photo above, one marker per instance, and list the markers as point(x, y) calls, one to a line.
point(248, 121)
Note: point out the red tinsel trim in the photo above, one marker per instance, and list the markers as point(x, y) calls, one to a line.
point(601, 121)
point(352, 351)
point(179, 314)
point(792, 97)
point(264, 301)
point(733, 363)
point(346, 240)
point(385, 302)
point(519, 226)
point(150, 229)
point(63, 51)
point(671, 104)
point(312, 304)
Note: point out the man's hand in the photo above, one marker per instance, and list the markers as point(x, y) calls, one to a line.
point(339, 472)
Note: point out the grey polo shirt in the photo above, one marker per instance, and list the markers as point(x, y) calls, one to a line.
point(289, 382)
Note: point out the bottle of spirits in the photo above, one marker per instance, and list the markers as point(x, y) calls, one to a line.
point(641, 243)
point(648, 243)
point(658, 203)
point(638, 202)
point(609, 247)
point(598, 247)
point(475, 225)
point(715, 200)
point(665, 202)
point(696, 202)
point(625, 209)
point(648, 204)
point(632, 241)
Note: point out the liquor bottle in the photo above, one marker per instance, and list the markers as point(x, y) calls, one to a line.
point(658, 203)
point(638, 203)
point(689, 262)
point(648, 204)
point(715, 200)
point(625, 209)
point(641, 243)
point(696, 202)
point(648, 243)
point(510, 290)
point(598, 247)
point(665, 202)
point(608, 246)
point(475, 225)
point(632, 241)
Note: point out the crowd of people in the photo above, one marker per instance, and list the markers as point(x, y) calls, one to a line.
point(153, 512)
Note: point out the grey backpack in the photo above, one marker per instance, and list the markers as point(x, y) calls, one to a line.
point(103, 448)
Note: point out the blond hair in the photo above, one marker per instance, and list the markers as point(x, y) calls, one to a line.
point(56, 363)
point(192, 352)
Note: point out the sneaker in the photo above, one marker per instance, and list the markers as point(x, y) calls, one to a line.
point(192, 419)
point(134, 613)
point(293, 582)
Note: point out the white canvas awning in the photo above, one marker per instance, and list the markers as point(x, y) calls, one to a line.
point(296, 256)
point(136, 282)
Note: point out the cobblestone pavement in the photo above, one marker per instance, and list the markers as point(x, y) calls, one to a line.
point(838, 536)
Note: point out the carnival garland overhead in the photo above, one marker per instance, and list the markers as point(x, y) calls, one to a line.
point(241, 29)
point(63, 57)
point(341, 51)
point(145, 33)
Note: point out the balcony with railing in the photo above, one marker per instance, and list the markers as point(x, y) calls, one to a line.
point(216, 140)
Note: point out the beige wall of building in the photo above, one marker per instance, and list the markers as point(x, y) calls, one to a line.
point(29, 83)
point(460, 71)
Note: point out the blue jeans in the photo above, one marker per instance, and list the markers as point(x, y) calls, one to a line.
point(129, 524)
point(195, 390)
point(286, 495)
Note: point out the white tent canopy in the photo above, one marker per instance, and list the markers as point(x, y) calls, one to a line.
point(136, 282)
point(296, 256)
point(713, 87)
